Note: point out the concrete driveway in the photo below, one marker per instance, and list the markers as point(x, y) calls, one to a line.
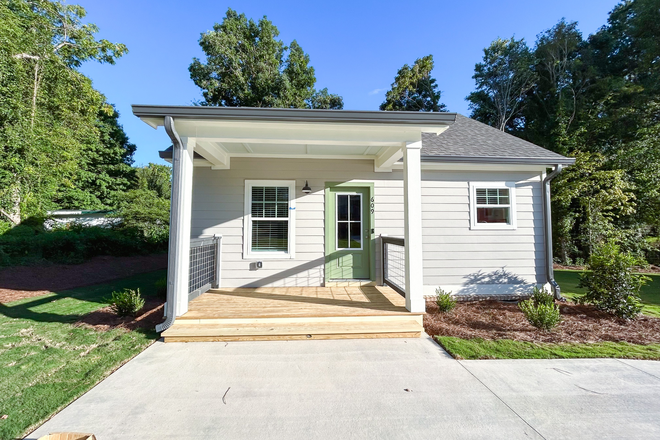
point(362, 389)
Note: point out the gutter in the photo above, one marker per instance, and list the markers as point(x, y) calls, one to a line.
point(294, 115)
point(547, 227)
point(170, 303)
point(550, 161)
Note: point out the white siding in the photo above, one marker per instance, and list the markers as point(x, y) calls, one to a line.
point(453, 254)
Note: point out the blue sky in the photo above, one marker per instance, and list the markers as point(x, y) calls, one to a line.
point(355, 46)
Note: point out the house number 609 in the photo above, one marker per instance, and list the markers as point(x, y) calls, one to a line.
point(372, 205)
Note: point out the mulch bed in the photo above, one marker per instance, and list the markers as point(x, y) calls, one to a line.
point(503, 320)
point(104, 319)
point(27, 281)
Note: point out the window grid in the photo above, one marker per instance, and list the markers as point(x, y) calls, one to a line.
point(492, 196)
point(268, 219)
point(493, 206)
point(349, 224)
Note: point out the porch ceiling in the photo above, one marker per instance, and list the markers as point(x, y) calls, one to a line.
point(218, 134)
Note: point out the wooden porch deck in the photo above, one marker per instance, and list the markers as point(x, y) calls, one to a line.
point(295, 313)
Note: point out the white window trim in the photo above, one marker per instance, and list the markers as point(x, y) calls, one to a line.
point(349, 227)
point(247, 221)
point(511, 186)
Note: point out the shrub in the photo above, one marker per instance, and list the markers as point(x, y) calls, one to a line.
point(127, 302)
point(74, 244)
point(540, 296)
point(543, 315)
point(161, 288)
point(611, 284)
point(444, 300)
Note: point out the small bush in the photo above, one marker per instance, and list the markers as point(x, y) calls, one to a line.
point(611, 284)
point(544, 316)
point(444, 300)
point(127, 302)
point(161, 288)
point(540, 296)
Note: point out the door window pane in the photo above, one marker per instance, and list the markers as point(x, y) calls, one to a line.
point(355, 208)
point(342, 207)
point(349, 221)
point(356, 235)
point(342, 235)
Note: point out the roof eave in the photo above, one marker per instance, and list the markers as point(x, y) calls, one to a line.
point(293, 115)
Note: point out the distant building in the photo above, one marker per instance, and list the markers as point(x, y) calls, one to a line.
point(64, 217)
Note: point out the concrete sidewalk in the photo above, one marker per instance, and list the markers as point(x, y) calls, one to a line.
point(362, 389)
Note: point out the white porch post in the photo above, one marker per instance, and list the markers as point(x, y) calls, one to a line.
point(412, 201)
point(182, 168)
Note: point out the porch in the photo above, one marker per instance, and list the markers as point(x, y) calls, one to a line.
point(287, 313)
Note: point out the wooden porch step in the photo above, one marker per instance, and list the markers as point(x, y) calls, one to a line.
point(291, 330)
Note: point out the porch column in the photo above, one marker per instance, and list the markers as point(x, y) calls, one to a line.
point(412, 206)
point(179, 260)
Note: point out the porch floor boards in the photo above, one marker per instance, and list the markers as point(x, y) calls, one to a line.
point(284, 313)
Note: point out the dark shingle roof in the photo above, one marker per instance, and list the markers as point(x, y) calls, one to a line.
point(470, 140)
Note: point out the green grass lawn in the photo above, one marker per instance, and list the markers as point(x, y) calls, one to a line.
point(568, 281)
point(46, 362)
point(510, 349)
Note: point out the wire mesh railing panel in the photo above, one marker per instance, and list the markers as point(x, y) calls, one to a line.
point(394, 266)
point(203, 265)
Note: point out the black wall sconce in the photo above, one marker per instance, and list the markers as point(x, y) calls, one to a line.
point(306, 189)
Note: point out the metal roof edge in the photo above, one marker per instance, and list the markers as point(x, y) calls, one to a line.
point(294, 115)
point(496, 159)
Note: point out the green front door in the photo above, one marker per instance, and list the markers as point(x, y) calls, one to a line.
point(348, 233)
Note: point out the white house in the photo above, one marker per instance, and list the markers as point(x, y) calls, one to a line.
point(312, 198)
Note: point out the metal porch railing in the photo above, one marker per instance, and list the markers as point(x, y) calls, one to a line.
point(204, 269)
point(394, 263)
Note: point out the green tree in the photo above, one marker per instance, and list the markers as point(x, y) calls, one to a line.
point(146, 208)
point(588, 200)
point(48, 110)
point(104, 167)
point(503, 79)
point(553, 108)
point(156, 178)
point(247, 66)
point(414, 89)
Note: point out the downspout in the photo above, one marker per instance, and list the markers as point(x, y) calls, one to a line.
point(547, 227)
point(175, 203)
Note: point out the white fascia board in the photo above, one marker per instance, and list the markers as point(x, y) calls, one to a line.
point(360, 135)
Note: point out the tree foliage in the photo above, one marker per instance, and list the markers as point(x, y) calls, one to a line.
point(503, 79)
point(146, 208)
point(414, 89)
point(597, 99)
point(247, 66)
point(104, 167)
point(48, 110)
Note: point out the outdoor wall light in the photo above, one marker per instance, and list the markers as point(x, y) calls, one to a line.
point(306, 189)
